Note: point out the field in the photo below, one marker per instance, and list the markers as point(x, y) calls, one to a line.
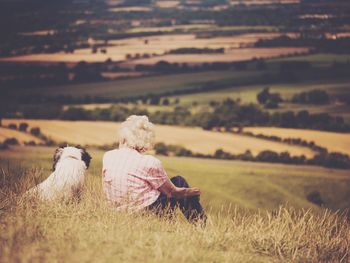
point(118, 50)
point(20, 136)
point(145, 85)
point(235, 195)
point(248, 93)
point(330, 140)
point(195, 139)
point(233, 55)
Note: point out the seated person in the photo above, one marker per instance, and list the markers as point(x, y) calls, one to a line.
point(134, 181)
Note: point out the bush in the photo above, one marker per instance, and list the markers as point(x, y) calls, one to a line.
point(23, 126)
point(30, 143)
point(74, 113)
point(11, 141)
point(3, 146)
point(161, 149)
point(12, 126)
point(312, 97)
point(268, 156)
point(35, 131)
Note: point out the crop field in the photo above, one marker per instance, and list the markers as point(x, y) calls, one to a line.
point(233, 55)
point(194, 139)
point(159, 45)
point(318, 59)
point(144, 85)
point(193, 28)
point(243, 202)
point(339, 142)
point(20, 136)
point(248, 93)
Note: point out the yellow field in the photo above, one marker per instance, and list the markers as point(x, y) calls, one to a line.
point(339, 142)
point(167, 4)
point(195, 139)
point(130, 9)
point(159, 45)
point(20, 136)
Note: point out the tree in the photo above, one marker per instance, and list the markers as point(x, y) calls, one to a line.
point(35, 131)
point(23, 126)
point(269, 100)
point(154, 100)
point(165, 102)
point(263, 96)
point(161, 149)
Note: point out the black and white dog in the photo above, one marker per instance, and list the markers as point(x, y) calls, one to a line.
point(67, 179)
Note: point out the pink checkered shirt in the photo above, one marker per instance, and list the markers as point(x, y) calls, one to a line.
point(131, 180)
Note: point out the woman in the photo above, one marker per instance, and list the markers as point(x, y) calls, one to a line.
point(134, 181)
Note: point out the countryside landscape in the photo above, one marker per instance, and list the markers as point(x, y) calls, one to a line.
point(250, 101)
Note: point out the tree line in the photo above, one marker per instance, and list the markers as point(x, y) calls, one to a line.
point(326, 159)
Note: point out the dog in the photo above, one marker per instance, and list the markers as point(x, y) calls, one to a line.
point(67, 179)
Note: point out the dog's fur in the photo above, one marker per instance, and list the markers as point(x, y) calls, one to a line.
point(67, 179)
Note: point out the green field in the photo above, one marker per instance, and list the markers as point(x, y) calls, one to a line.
point(235, 195)
point(247, 94)
point(146, 85)
point(321, 59)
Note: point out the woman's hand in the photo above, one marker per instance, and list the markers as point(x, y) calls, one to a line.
point(192, 192)
point(171, 190)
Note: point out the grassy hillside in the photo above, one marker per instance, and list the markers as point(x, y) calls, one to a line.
point(244, 184)
point(195, 139)
point(89, 230)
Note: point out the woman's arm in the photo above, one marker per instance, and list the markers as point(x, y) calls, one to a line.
point(170, 190)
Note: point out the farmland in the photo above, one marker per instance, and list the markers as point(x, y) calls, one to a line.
point(233, 55)
point(158, 46)
point(330, 140)
point(144, 85)
point(195, 139)
point(6, 133)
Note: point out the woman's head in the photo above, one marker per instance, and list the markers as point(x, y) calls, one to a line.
point(137, 132)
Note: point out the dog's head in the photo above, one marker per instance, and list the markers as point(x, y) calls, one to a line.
point(76, 152)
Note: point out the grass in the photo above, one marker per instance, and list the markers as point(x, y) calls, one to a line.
point(89, 133)
point(237, 231)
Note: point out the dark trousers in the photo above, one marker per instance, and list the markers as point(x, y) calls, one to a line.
point(190, 206)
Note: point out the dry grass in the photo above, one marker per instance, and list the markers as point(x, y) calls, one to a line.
point(90, 231)
point(339, 142)
point(195, 139)
point(20, 136)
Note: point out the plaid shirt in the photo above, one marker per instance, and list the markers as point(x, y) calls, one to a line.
point(131, 180)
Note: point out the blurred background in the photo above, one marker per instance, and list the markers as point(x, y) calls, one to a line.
point(263, 81)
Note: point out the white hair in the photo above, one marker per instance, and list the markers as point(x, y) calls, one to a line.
point(137, 132)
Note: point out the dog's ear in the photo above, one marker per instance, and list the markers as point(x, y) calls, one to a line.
point(85, 156)
point(57, 156)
